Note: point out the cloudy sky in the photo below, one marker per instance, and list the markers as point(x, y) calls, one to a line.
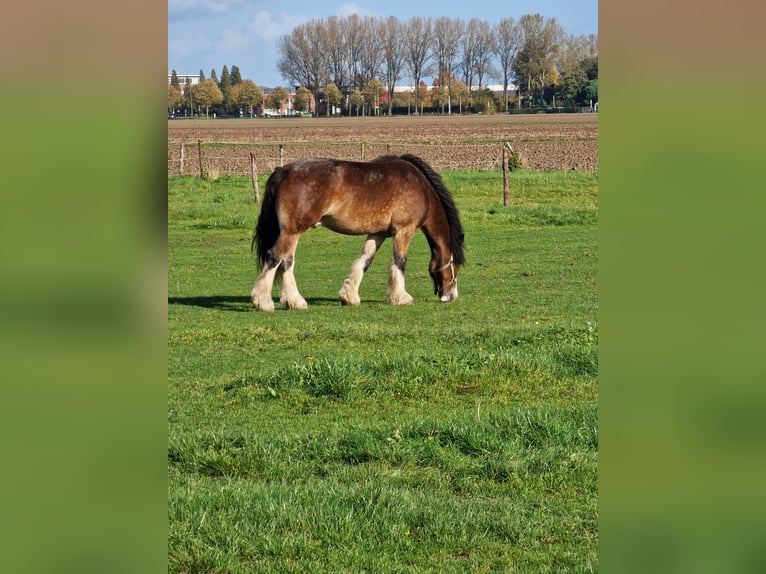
point(208, 34)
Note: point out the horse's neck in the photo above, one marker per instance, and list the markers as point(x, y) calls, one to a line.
point(439, 244)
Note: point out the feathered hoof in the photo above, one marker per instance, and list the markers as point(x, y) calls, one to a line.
point(294, 303)
point(400, 299)
point(349, 299)
point(261, 303)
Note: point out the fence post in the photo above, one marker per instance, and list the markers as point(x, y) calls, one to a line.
point(506, 157)
point(202, 173)
point(182, 159)
point(254, 172)
point(362, 149)
point(281, 155)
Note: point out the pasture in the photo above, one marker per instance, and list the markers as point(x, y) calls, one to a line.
point(437, 437)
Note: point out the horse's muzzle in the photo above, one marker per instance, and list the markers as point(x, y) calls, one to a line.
point(449, 296)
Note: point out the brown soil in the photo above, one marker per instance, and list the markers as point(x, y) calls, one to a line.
point(545, 142)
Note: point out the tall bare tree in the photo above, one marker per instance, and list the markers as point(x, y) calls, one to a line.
point(483, 48)
point(507, 43)
point(393, 56)
point(337, 60)
point(417, 36)
point(371, 56)
point(447, 35)
point(354, 43)
point(303, 58)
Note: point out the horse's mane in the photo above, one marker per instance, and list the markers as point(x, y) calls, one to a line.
point(450, 209)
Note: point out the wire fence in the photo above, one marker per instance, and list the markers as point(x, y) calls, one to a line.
point(211, 159)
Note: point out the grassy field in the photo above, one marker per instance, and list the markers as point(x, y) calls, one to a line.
point(436, 437)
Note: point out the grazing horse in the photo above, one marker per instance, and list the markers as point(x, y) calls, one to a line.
point(391, 196)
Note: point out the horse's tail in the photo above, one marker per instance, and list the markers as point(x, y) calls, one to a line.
point(267, 228)
point(450, 209)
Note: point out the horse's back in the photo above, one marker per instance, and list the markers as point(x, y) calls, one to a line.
point(351, 197)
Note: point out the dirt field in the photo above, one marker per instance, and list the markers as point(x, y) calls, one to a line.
point(551, 141)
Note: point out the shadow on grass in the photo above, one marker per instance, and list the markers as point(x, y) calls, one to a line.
point(237, 303)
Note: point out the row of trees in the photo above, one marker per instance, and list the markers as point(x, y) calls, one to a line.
point(349, 52)
point(231, 91)
point(356, 63)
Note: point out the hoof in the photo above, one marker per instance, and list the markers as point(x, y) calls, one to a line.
point(294, 303)
point(261, 303)
point(405, 299)
point(267, 307)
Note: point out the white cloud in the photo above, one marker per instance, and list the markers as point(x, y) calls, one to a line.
point(234, 40)
point(351, 8)
point(265, 26)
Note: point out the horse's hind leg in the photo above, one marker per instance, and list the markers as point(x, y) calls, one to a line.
point(289, 296)
point(396, 292)
point(349, 292)
point(282, 253)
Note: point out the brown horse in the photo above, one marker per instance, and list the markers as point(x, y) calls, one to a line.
point(391, 196)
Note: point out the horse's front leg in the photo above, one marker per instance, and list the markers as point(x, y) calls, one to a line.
point(397, 295)
point(349, 291)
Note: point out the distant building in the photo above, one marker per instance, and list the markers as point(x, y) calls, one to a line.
point(193, 78)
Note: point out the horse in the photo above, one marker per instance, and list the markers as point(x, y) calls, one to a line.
point(391, 196)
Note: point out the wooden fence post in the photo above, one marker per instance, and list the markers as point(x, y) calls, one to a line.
point(281, 155)
point(202, 173)
point(362, 149)
point(506, 157)
point(182, 159)
point(254, 172)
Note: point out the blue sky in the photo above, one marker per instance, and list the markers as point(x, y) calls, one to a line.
point(207, 34)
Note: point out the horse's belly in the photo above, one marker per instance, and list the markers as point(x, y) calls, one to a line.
point(350, 226)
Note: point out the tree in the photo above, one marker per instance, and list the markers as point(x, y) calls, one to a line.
point(207, 93)
point(507, 41)
point(447, 35)
point(534, 66)
point(591, 90)
point(357, 100)
point(201, 75)
point(572, 84)
point(337, 63)
point(372, 91)
point(332, 95)
point(174, 97)
point(418, 39)
point(236, 77)
point(302, 100)
point(371, 56)
point(213, 76)
point(174, 80)
point(460, 92)
point(393, 55)
point(483, 47)
point(439, 95)
point(247, 95)
point(303, 57)
point(278, 97)
point(225, 86)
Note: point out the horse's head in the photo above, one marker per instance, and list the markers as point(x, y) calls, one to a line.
point(444, 276)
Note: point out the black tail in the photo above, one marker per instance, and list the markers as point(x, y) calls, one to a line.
point(450, 209)
point(267, 228)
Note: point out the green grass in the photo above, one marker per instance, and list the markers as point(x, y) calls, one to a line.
point(436, 437)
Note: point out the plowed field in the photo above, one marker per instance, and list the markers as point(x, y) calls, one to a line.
point(545, 142)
